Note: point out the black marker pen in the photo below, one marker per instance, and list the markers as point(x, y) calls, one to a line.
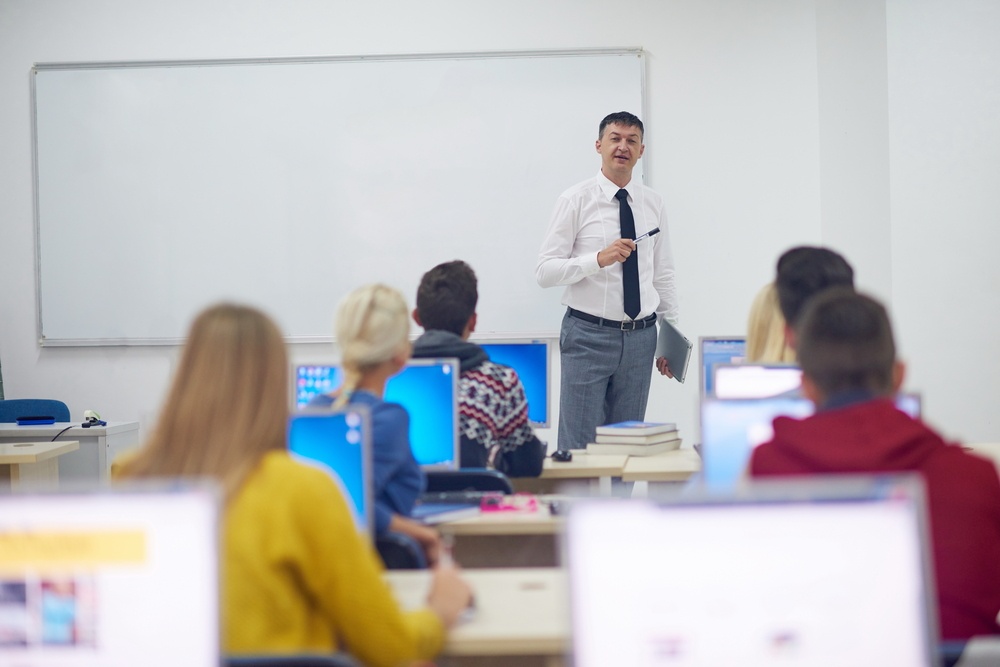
point(651, 232)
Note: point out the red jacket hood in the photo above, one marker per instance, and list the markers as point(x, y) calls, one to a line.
point(877, 437)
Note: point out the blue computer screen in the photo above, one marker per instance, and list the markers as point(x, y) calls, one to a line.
point(427, 388)
point(719, 351)
point(336, 442)
point(531, 361)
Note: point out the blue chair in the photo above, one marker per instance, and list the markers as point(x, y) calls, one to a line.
point(468, 479)
point(400, 552)
point(13, 408)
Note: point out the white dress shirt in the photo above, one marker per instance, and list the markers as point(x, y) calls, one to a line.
point(586, 221)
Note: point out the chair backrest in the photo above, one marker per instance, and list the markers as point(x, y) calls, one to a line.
point(468, 479)
point(981, 652)
point(13, 408)
point(400, 552)
point(334, 660)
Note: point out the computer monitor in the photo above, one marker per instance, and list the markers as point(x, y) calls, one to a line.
point(110, 577)
point(531, 359)
point(795, 573)
point(731, 428)
point(339, 443)
point(756, 380)
point(714, 350)
point(427, 388)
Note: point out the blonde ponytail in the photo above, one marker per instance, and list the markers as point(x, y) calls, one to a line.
point(373, 325)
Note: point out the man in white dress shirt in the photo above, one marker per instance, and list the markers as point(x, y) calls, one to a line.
point(608, 336)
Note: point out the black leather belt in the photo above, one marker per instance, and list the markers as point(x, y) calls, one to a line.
point(627, 325)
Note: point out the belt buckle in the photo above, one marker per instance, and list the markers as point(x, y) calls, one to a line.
point(632, 328)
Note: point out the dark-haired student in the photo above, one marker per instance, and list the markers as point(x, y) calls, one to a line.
point(493, 409)
point(850, 371)
point(802, 273)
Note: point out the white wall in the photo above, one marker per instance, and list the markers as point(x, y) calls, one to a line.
point(854, 137)
point(748, 103)
point(944, 101)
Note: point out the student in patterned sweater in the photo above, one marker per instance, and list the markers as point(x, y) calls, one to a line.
point(493, 410)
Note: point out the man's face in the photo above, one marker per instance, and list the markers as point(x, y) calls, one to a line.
point(620, 147)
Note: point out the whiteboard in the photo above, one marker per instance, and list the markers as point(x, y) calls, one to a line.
point(163, 187)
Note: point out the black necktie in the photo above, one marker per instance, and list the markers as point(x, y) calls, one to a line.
point(630, 268)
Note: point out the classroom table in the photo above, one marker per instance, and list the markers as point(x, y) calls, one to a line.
point(98, 446)
point(508, 538)
point(24, 465)
point(521, 616)
point(674, 466)
point(597, 469)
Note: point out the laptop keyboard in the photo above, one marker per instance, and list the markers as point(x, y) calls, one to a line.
point(460, 497)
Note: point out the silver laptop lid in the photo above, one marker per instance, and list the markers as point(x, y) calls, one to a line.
point(117, 578)
point(714, 350)
point(799, 573)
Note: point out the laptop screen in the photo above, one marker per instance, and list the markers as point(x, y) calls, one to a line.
point(731, 428)
point(530, 358)
point(756, 380)
point(793, 579)
point(339, 443)
point(110, 578)
point(427, 388)
point(718, 350)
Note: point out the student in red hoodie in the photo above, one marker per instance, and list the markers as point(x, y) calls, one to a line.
point(849, 370)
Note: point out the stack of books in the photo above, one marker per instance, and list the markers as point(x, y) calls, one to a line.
point(635, 438)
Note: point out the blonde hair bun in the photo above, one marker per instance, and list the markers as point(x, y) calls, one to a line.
point(373, 324)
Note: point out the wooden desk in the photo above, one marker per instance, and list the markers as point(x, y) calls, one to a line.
point(598, 468)
point(98, 446)
point(27, 464)
point(507, 539)
point(521, 617)
point(675, 466)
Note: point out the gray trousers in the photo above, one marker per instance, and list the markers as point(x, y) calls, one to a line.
point(605, 378)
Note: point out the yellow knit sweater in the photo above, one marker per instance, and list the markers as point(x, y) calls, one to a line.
point(297, 576)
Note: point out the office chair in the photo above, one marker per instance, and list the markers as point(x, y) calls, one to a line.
point(468, 479)
point(950, 652)
point(400, 552)
point(12, 408)
point(303, 660)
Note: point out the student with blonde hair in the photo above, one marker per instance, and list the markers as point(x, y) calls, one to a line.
point(373, 327)
point(297, 574)
point(766, 340)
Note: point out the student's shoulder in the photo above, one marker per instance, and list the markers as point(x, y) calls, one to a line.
point(283, 494)
point(977, 470)
point(281, 469)
point(380, 409)
point(283, 481)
